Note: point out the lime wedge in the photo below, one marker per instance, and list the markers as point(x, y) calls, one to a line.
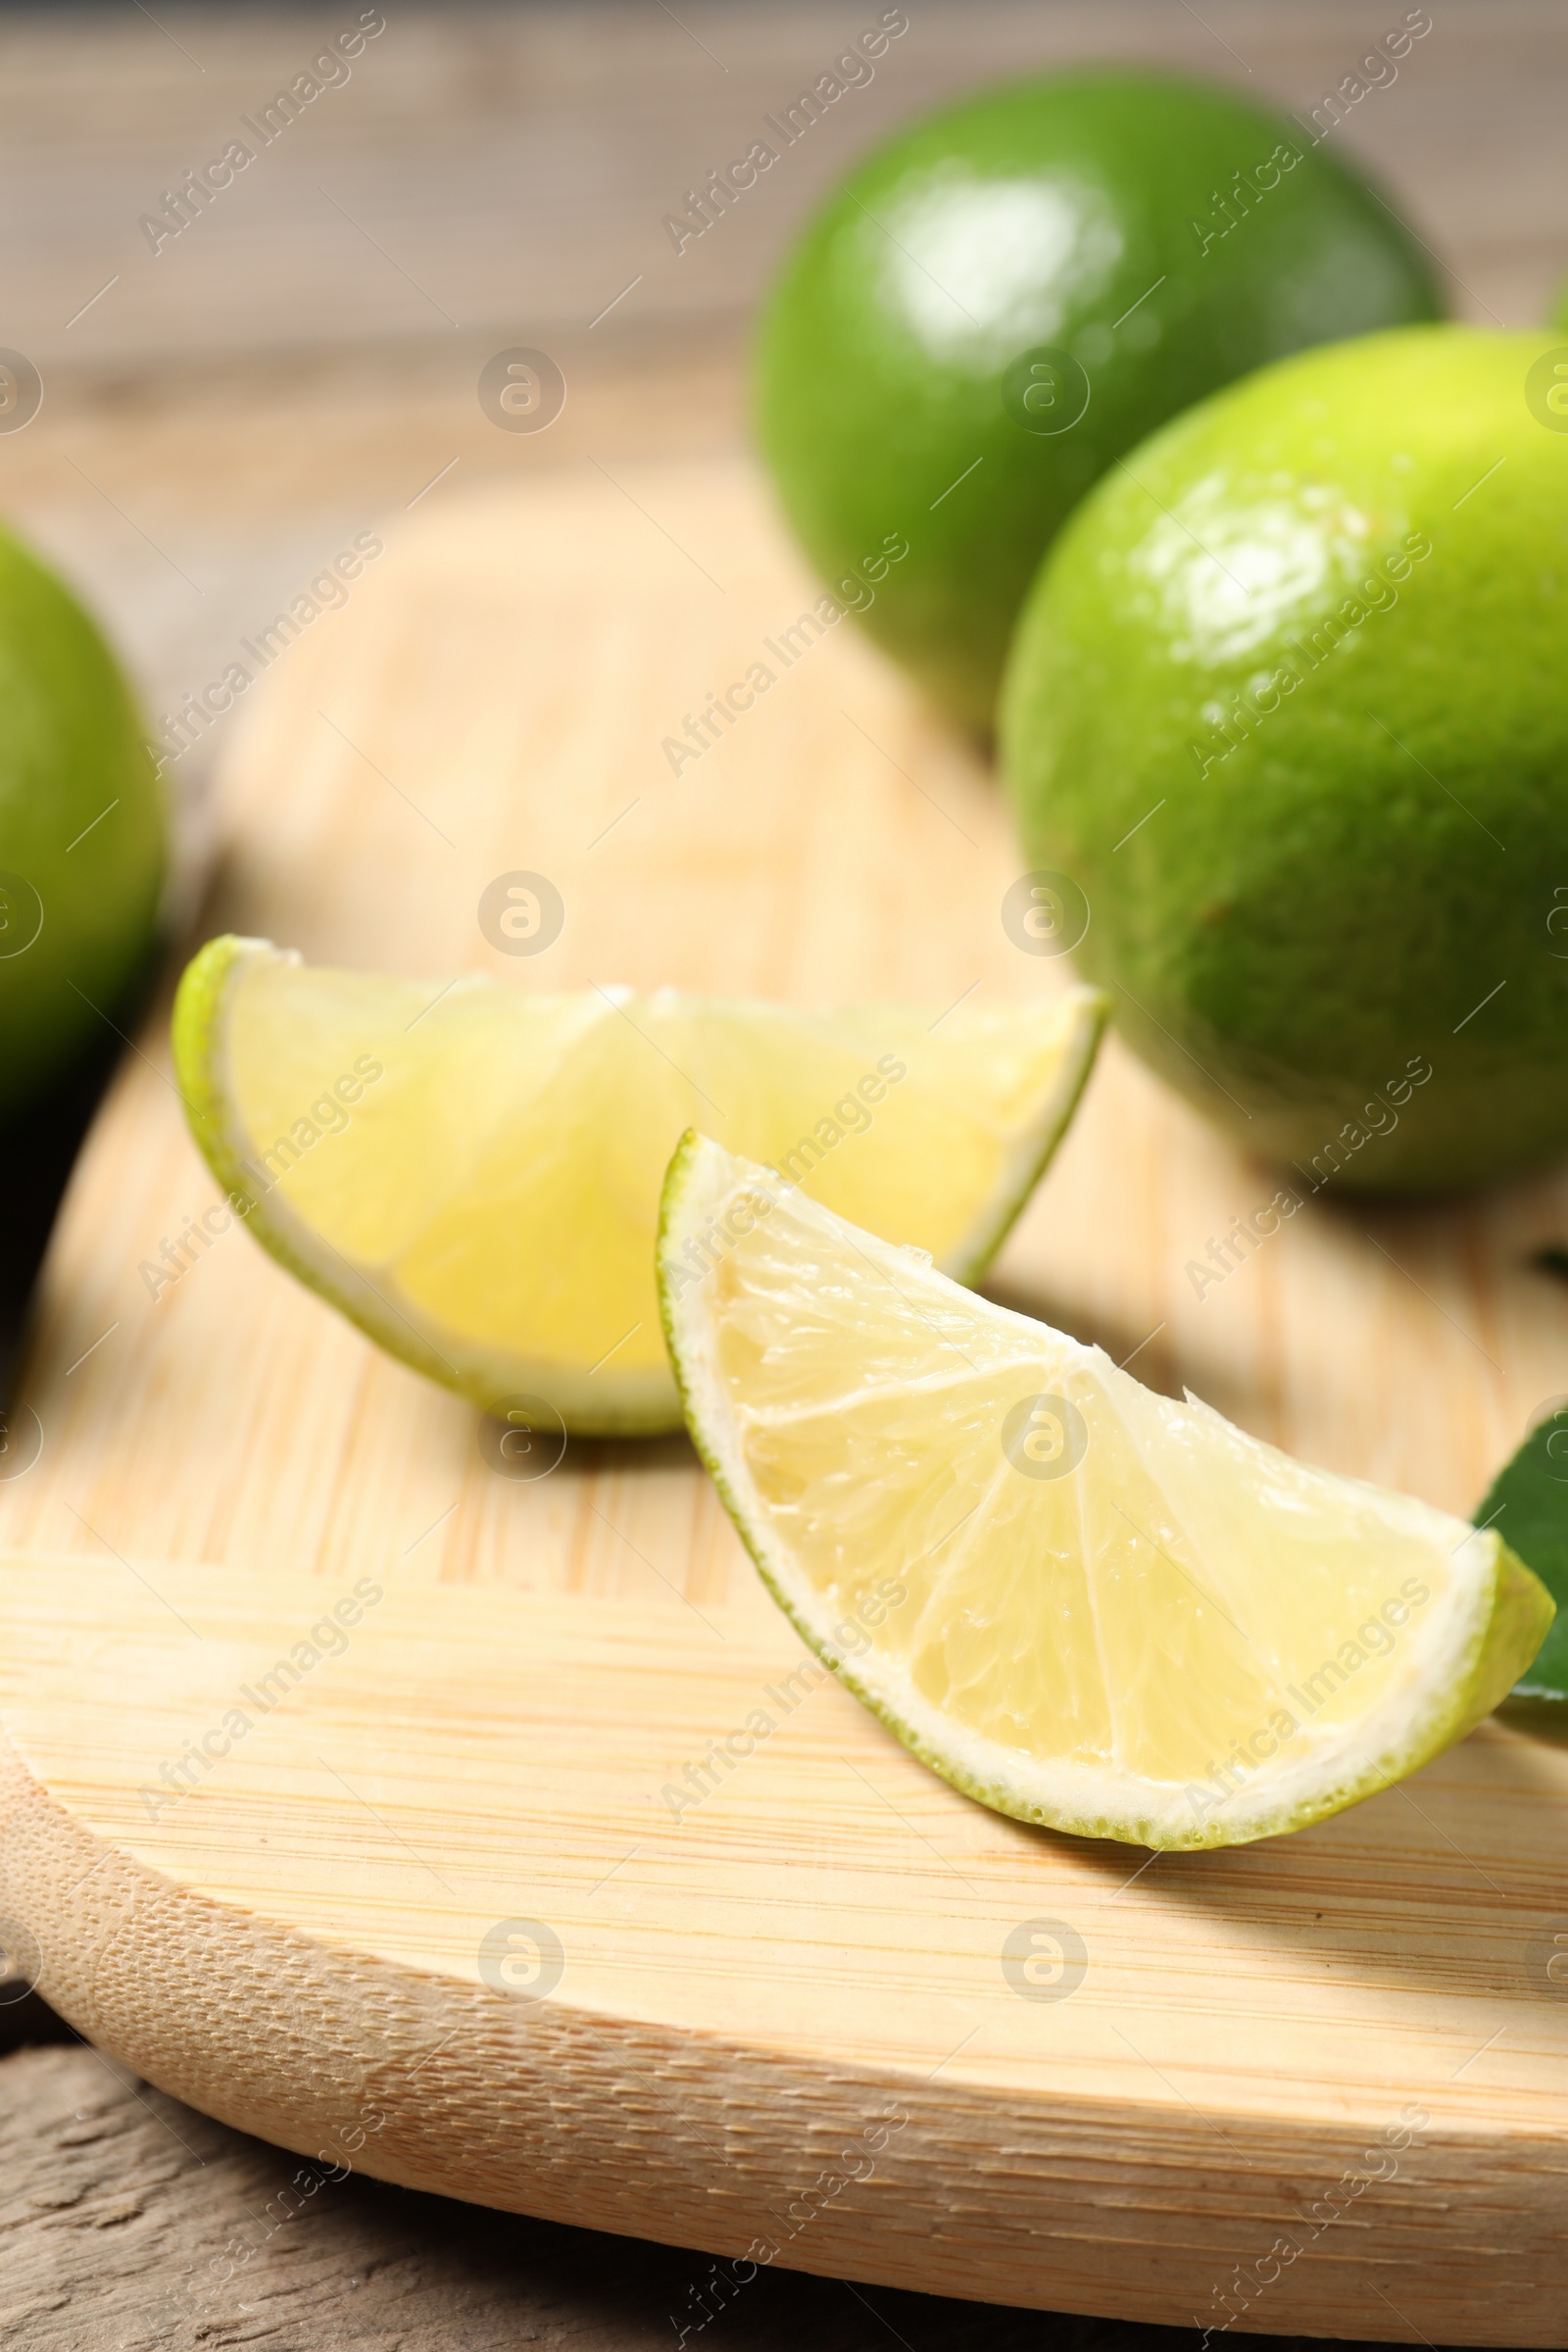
point(472, 1174)
point(1079, 1601)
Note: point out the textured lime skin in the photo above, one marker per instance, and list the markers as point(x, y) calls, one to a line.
point(1040, 215)
point(1371, 876)
point(71, 745)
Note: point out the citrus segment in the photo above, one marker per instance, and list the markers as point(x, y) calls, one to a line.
point(472, 1173)
point(1084, 1603)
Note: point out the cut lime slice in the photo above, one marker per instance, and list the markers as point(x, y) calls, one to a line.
point(1081, 1603)
point(472, 1173)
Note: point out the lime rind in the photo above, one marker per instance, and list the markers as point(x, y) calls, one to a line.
point(621, 1402)
point(1498, 1617)
point(198, 1030)
point(1035, 1143)
point(634, 1405)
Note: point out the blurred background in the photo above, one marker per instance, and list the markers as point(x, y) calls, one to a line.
point(233, 389)
point(301, 360)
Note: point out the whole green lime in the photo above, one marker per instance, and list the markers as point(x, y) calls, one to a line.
point(1289, 705)
point(1002, 300)
point(81, 834)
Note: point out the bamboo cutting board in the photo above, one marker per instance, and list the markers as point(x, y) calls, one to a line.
point(380, 1803)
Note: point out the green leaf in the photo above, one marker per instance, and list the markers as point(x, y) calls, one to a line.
point(1528, 1504)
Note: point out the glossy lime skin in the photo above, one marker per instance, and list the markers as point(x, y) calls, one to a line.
point(1080, 215)
point(1318, 629)
point(71, 747)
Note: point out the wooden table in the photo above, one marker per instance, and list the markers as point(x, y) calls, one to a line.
point(300, 362)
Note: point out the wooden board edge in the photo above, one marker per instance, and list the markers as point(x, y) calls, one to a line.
point(752, 2155)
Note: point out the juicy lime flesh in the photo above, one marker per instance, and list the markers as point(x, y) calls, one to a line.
point(1144, 1609)
point(1079, 217)
point(1318, 626)
point(1083, 1603)
point(497, 1171)
point(81, 837)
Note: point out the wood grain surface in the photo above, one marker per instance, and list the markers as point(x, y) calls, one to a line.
point(226, 407)
point(133, 2224)
point(735, 1999)
point(479, 167)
